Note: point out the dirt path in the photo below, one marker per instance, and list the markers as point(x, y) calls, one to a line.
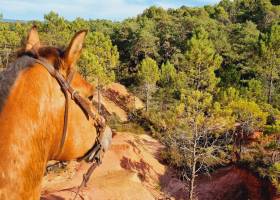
point(129, 170)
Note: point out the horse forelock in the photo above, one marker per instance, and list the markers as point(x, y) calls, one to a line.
point(53, 54)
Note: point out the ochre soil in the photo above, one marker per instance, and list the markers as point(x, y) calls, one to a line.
point(129, 170)
point(132, 170)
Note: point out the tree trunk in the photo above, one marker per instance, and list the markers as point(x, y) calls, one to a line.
point(7, 51)
point(198, 80)
point(270, 88)
point(193, 166)
point(147, 97)
point(191, 186)
point(99, 97)
point(7, 58)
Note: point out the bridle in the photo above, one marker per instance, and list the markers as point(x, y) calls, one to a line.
point(66, 87)
point(94, 154)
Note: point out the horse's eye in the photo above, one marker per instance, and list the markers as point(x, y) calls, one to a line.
point(90, 97)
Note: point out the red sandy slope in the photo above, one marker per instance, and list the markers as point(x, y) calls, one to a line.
point(131, 170)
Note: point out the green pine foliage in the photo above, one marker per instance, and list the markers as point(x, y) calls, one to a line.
point(201, 62)
point(148, 75)
point(99, 59)
point(168, 74)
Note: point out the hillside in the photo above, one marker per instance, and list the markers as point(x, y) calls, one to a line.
point(132, 169)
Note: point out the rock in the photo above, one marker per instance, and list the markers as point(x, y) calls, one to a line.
point(116, 100)
point(119, 94)
point(110, 108)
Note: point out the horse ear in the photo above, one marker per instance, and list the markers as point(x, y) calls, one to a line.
point(33, 41)
point(74, 49)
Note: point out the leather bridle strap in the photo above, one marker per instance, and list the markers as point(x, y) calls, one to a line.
point(66, 87)
point(94, 154)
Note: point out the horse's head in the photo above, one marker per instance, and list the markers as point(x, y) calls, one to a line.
point(81, 133)
point(33, 117)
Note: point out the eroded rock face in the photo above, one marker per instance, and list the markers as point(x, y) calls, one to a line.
point(120, 95)
point(116, 100)
point(233, 183)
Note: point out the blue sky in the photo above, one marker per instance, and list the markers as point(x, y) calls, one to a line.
point(88, 9)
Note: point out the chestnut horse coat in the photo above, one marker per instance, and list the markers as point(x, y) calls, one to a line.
point(31, 117)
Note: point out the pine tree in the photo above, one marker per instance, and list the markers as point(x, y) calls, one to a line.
point(55, 30)
point(146, 42)
point(168, 74)
point(269, 62)
point(148, 75)
point(98, 61)
point(201, 62)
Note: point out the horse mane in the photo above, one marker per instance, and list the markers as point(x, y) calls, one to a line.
point(24, 60)
point(9, 75)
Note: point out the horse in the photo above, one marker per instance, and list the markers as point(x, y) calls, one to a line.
point(32, 115)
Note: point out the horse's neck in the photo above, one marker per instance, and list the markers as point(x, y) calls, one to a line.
point(24, 146)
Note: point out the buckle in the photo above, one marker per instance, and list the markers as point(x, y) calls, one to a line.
point(73, 94)
point(93, 155)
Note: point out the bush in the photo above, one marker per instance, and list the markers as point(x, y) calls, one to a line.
point(273, 129)
point(274, 173)
point(249, 115)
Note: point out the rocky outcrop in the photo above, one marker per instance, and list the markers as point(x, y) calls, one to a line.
point(120, 95)
point(116, 100)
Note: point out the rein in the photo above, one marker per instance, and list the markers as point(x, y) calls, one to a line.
point(94, 154)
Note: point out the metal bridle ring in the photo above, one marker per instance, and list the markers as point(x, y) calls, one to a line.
point(73, 94)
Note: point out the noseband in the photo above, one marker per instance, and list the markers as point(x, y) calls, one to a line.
point(65, 85)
